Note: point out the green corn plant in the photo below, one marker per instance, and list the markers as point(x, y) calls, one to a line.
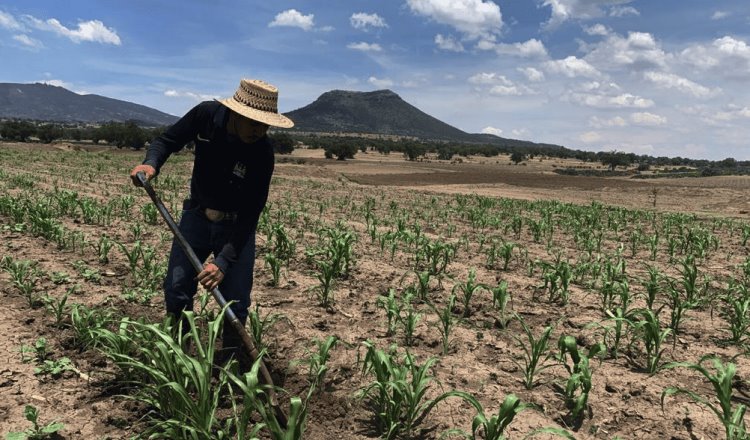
point(86, 321)
point(500, 299)
point(260, 326)
point(24, 275)
point(150, 214)
point(578, 384)
point(133, 254)
point(102, 248)
point(652, 286)
point(506, 253)
point(736, 311)
point(653, 242)
point(274, 263)
point(317, 362)
point(58, 308)
point(326, 277)
point(536, 353)
point(733, 418)
point(392, 308)
point(446, 321)
point(40, 351)
point(647, 328)
point(422, 279)
point(494, 426)
point(182, 393)
point(408, 317)
point(398, 391)
point(37, 431)
point(468, 289)
point(689, 280)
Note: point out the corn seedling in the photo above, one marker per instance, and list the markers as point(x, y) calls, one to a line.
point(647, 328)
point(733, 419)
point(446, 321)
point(536, 353)
point(500, 299)
point(317, 362)
point(468, 289)
point(58, 308)
point(37, 431)
point(398, 392)
point(274, 263)
point(392, 308)
point(260, 326)
point(24, 275)
point(408, 317)
point(578, 384)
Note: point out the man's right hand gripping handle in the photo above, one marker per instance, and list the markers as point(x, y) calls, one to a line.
point(148, 170)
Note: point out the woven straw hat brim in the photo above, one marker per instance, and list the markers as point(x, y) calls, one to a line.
point(269, 118)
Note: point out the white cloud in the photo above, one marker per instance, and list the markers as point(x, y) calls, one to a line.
point(684, 85)
point(361, 20)
point(378, 82)
point(732, 114)
point(617, 121)
point(521, 133)
point(527, 49)
point(293, 18)
point(564, 10)
point(532, 74)
point(28, 42)
point(727, 55)
point(191, 95)
point(572, 67)
point(492, 130)
point(622, 11)
point(590, 137)
point(597, 29)
point(718, 15)
point(448, 43)
point(365, 47)
point(58, 83)
point(485, 78)
point(9, 22)
point(92, 30)
point(637, 51)
point(499, 84)
point(601, 100)
point(647, 119)
point(473, 18)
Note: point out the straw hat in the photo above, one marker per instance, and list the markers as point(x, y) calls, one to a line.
point(256, 99)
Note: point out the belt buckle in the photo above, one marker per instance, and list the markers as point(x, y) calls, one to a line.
point(214, 215)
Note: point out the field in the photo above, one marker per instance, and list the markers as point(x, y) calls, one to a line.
point(591, 299)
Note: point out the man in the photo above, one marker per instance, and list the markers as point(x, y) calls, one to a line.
point(229, 186)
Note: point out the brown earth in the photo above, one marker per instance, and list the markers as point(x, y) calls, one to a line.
point(624, 402)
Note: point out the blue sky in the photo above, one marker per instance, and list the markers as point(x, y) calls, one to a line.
point(666, 77)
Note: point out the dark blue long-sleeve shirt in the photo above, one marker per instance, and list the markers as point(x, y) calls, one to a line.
point(228, 175)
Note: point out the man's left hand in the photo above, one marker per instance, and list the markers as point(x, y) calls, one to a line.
point(211, 276)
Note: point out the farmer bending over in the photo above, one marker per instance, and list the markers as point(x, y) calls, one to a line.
point(228, 190)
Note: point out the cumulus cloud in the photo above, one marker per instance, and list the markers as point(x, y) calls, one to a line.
point(293, 18)
point(637, 51)
point(598, 99)
point(365, 47)
point(448, 43)
point(492, 130)
point(598, 122)
point(727, 55)
point(473, 18)
point(363, 21)
point(719, 15)
point(564, 10)
point(28, 42)
point(92, 30)
point(647, 119)
point(684, 85)
point(590, 137)
point(532, 48)
point(171, 93)
point(499, 85)
point(622, 11)
point(572, 67)
point(731, 114)
point(597, 29)
point(9, 22)
point(532, 74)
point(380, 82)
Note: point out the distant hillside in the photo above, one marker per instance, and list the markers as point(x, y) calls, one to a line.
point(50, 103)
point(383, 112)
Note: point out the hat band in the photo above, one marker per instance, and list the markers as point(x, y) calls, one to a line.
point(254, 103)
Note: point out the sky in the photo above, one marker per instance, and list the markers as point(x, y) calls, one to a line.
point(657, 77)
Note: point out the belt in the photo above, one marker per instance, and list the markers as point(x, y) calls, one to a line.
point(215, 216)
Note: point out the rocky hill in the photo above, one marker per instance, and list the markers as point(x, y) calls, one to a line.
point(383, 112)
point(45, 102)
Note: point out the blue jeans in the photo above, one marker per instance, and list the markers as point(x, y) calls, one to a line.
point(206, 237)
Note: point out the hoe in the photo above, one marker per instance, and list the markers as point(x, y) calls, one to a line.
point(229, 315)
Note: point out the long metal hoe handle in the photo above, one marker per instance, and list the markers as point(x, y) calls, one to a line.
point(229, 314)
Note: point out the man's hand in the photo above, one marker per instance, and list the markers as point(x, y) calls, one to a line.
point(148, 170)
point(210, 276)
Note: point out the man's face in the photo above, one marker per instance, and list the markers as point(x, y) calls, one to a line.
point(246, 129)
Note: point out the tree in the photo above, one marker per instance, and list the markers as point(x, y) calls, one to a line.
point(413, 150)
point(614, 159)
point(445, 152)
point(17, 130)
point(282, 143)
point(341, 149)
point(517, 157)
point(48, 133)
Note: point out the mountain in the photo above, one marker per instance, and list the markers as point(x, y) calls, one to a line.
point(51, 103)
point(383, 112)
